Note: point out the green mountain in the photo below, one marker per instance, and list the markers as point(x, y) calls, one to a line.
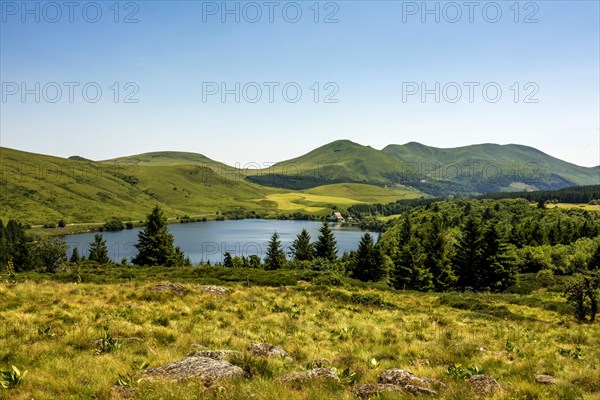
point(485, 168)
point(40, 188)
point(462, 171)
point(341, 161)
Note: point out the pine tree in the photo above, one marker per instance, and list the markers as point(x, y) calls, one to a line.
point(402, 271)
point(497, 266)
point(367, 265)
point(98, 251)
point(75, 258)
point(436, 257)
point(326, 246)
point(409, 270)
point(275, 258)
point(155, 243)
point(17, 245)
point(227, 260)
point(468, 254)
point(302, 248)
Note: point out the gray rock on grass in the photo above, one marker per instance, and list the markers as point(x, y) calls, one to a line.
point(207, 370)
point(268, 350)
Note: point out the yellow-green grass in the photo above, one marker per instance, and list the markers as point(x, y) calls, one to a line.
point(305, 202)
point(588, 207)
point(509, 337)
point(366, 193)
point(388, 217)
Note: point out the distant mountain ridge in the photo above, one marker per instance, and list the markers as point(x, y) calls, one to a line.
point(462, 171)
point(38, 187)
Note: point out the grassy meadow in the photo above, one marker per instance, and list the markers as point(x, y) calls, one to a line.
point(49, 324)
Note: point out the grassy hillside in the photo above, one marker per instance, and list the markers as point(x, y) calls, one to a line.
point(165, 158)
point(40, 189)
point(49, 328)
point(367, 193)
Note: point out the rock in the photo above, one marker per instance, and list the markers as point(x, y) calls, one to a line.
point(374, 389)
point(214, 290)
point(122, 392)
point(319, 374)
point(418, 390)
point(484, 385)
point(268, 350)
point(169, 287)
point(281, 289)
point(546, 379)
point(204, 369)
point(215, 354)
point(396, 376)
point(318, 363)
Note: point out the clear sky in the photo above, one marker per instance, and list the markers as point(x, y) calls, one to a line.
point(173, 57)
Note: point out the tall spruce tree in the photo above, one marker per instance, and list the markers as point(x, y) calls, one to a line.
point(75, 258)
point(409, 271)
point(98, 251)
point(275, 258)
point(155, 243)
point(497, 265)
point(402, 271)
point(326, 246)
point(367, 264)
point(467, 259)
point(302, 249)
point(436, 256)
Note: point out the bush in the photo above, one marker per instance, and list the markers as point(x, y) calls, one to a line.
point(584, 293)
point(49, 253)
point(114, 224)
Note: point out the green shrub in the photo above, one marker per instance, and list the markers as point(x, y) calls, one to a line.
point(583, 292)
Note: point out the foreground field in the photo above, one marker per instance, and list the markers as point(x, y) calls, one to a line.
point(49, 328)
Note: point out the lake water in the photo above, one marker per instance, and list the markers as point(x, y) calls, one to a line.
point(207, 241)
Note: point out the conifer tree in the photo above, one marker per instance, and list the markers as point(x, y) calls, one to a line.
point(98, 250)
point(75, 258)
point(155, 243)
point(497, 266)
point(409, 270)
point(275, 258)
point(467, 259)
point(326, 246)
point(367, 264)
point(436, 257)
point(302, 248)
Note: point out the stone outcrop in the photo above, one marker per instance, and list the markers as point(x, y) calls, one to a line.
point(268, 350)
point(205, 369)
point(484, 385)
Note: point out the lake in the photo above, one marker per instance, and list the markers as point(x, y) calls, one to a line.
point(207, 241)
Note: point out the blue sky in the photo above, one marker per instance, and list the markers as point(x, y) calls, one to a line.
point(369, 59)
